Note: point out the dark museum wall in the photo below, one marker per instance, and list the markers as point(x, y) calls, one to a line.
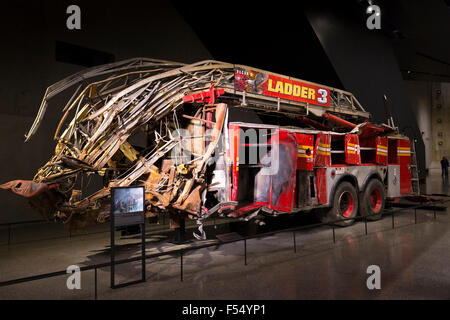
point(431, 104)
point(328, 42)
point(407, 60)
point(110, 31)
point(367, 66)
point(424, 60)
point(276, 38)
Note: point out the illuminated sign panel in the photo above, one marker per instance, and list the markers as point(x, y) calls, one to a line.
point(273, 86)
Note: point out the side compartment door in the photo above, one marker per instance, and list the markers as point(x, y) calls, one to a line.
point(352, 149)
point(322, 153)
point(382, 151)
point(284, 169)
point(305, 159)
point(305, 166)
point(233, 158)
point(404, 159)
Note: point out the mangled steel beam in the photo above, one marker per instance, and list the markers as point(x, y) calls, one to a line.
point(122, 98)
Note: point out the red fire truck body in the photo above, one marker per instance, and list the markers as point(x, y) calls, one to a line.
point(341, 171)
point(312, 164)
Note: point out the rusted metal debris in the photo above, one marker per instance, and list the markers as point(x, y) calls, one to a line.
point(119, 100)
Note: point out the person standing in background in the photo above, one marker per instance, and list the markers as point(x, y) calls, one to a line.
point(444, 167)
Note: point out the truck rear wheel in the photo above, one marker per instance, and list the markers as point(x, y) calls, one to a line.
point(345, 205)
point(373, 200)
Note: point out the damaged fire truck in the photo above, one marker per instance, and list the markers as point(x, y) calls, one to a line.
point(215, 138)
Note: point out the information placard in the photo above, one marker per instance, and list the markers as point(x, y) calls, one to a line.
point(127, 206)
point(127, 209)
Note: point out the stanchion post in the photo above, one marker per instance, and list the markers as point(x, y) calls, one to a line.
point(334, 236)
point(95, 280)
point(113, 253)
point(181, 266)
point(393, 226)
point(295, 244)
point(143, 261)
point(245, 252)
point(434, 214)
point(9, 234)
point(415, 216)
point(365, 224)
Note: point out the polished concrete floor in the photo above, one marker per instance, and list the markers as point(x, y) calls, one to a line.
point(414, 260)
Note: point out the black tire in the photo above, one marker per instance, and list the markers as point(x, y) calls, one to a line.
point(373, 200)
point(345, 205)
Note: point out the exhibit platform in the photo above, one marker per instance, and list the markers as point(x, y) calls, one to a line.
point(413, 258)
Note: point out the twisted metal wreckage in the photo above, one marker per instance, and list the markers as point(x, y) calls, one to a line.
point(113, 103)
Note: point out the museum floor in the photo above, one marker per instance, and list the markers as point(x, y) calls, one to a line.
point(414, 261)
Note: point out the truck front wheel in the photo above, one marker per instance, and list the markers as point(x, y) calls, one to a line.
point(373, 200)
point(345, 205)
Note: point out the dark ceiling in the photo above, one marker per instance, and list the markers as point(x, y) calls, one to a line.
point(271, 37)
point(424, 48)
point(279, 38)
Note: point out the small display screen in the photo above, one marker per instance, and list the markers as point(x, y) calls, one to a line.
point(128, 200)
point(128, 205)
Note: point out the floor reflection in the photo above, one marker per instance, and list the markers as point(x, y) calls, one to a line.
point(437, 184)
